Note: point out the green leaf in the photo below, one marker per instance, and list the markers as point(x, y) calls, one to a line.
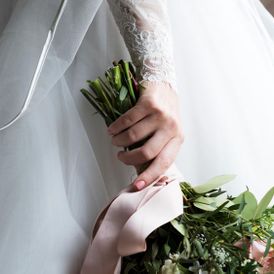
point(149, 267)
point(92, 101)
point(97, 86)
point(217, 193)
point(267, 248)
point(123, 93)
point(262, 206)
point(154, 250)
point(183, 269)
point(128, 76)
point(222, 199)
point(199, 248)
point(117, 77)
point(214, 183)
point(179, 227)
point(117, 112)
point(205, 203)
point(250, 204)
point(129, 267)
point(166, 249)
point(218, 209)
point(242, 204)
point(234, 207)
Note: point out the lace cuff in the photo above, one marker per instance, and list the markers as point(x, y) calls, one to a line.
point(144, 25)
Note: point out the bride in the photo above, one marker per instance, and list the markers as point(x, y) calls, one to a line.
point(58, 166)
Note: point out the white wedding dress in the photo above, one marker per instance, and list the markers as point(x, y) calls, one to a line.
point(57, 166)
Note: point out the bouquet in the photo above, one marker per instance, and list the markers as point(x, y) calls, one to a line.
point(216, 233)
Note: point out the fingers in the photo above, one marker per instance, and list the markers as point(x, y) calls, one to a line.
point(138, 132)
point(128, 119)
point(147, 152)
point(160, 165)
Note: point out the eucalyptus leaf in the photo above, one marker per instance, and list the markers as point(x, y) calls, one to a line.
point(214, 183)
point(205, 203)
point(263, 204)
point(179, 227)
point(250, 204)
point(199, 248)
point(187, 246)
point(267, 248)
point(222, 199)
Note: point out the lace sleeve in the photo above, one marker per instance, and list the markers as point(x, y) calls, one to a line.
point(144, 25)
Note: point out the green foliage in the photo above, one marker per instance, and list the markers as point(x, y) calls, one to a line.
point(248, 205)
point(203, 238)
point(116, 94)
point(262, 206)
point(214, 183)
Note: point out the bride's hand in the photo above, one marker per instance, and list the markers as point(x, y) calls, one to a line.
point(156, 119)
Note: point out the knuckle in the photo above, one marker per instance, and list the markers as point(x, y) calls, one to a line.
point(152, 105)
point(125, 121)
point(161, 114)
point(132, 135)
point(125, 160)
point(172, 123)
point(146, 154)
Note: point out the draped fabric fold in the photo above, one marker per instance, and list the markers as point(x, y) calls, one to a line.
point(21, 44)
point(129, 219)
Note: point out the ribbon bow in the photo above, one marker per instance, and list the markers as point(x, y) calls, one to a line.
point(129, 219)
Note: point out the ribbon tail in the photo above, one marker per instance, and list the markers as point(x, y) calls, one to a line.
point(163, 207)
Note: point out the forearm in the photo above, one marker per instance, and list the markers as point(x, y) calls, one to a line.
point(145, 28)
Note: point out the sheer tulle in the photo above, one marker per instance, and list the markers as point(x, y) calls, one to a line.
point(51, 184)
point(225, 64)
point(57, 165)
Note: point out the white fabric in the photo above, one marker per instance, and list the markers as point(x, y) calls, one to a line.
point(224, 52)
point(57, 165)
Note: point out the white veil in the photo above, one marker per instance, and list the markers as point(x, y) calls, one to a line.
point(51, 186)
point(22, 41)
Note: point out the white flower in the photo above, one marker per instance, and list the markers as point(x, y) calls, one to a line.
point(174, 257)
point(245, 262)
point(201, 237)
point(221, 255)
point(170, 268)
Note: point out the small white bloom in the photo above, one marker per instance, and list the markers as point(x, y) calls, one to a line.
point(221, 255)
point(174, 257)
point(201, 237)
point(170, 268)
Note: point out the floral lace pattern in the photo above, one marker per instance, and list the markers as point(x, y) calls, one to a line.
point(144, 25)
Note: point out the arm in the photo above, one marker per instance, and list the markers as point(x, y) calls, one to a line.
point(144, 24)
point(145, 28)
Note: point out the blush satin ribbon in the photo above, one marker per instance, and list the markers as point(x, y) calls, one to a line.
point(129, 219)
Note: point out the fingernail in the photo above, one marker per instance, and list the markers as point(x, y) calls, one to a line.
point(140, 185)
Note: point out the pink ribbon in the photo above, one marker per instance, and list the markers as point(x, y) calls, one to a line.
point(129, 219)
